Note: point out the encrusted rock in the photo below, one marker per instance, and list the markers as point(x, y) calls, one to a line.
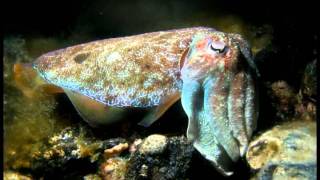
point(295, 104)
point(134, 146)
point(72, 145)
point(153, 144)
point(116, 150)
point(287, 171)
point(283, 99)
point(9, 175)
point(309, 80)
point(92, 177)
point(114, 168)
point(306, 106)
point(287, 148)
point(166, 158)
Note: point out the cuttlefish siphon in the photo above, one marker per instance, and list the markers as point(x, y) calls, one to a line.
point(212, 72)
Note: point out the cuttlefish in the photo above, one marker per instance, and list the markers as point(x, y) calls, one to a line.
point(211, 72)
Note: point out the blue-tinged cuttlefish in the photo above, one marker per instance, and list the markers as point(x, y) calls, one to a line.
point(212, 72)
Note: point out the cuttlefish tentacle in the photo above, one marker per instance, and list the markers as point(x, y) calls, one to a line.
point(216, 112)
point(236, 108)
point(191, 102)
point(199, 129)
point(251, 105)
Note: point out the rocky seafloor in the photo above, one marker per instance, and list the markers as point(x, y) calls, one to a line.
point(45, 138)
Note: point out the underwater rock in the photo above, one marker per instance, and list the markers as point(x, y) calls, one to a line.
point(285, 150)
point(295, 104)
point(171, 160)
point(73, 143)
point(92, 177)
point(288, 171)
point(305, 110)
point(153, 144)
point(306, 107)
point(134, 146)
point(155, 156)
point(116, 150)
point(283, 99)
point(309, 80)
point(114, 168)
point(9, 175)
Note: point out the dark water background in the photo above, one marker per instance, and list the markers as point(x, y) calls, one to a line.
point(293, 24)
point(293, 31)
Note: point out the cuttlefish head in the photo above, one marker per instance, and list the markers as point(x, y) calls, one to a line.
point(218, 95)
point(217, 52)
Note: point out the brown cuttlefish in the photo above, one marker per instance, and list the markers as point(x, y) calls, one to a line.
point(212, 72)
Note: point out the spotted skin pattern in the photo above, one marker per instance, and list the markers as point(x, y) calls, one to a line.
point(212, 71)
point(133, 71)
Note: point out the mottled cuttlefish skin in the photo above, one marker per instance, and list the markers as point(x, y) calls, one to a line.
point(133, 71)
point(212, 71)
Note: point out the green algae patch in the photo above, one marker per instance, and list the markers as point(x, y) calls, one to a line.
point(27, 121)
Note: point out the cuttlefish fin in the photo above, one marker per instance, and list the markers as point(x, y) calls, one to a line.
point(94, 112)
point(183, 57)
point(29, 82)
point(51, 89)
point(158, 111)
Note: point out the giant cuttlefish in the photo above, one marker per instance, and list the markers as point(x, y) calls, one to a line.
point(212, 72)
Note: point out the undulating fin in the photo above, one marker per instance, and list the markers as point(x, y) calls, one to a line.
point(158, 111)
point(51, 89)
point(183, 58)
point(94, 112)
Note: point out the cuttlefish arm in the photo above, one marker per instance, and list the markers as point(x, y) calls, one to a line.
point(218, 96)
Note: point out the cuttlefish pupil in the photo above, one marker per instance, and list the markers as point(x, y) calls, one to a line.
point(218, 46)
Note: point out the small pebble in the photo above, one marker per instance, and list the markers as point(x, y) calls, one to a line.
point(153, 144)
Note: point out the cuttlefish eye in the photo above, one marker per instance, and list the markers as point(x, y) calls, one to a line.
point(218, 46)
